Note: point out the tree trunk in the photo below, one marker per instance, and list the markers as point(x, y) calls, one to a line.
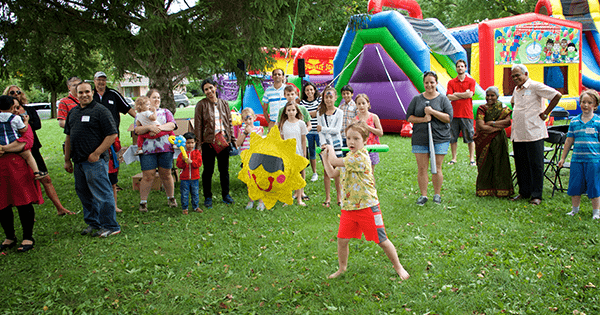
point(53, 97)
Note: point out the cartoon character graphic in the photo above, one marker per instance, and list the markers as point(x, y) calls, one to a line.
point(556, 53)
point(548, 51)
point(572, 54)
point(271, 168)
point(500, 39)
point(563, 49)
point(514, 48)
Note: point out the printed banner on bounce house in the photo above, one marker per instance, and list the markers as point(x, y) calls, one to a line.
point(319, 66)
point(536, 42)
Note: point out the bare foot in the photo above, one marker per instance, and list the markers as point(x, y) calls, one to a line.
point(336, 274)
point(117, 210)
point(402, 273)
point(63, 211)
point(300, 203)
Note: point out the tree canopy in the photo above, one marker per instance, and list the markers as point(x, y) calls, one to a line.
point(165, 43)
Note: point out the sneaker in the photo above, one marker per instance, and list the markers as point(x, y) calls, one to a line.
point(87, 230)
point(572, 213)
point(99, 232)
point(208, 203)
point(261, 206)
point(437, 199)
point(250, 205)
point(143, 207)
point(315, 177)
point(172, 202)
point(421, 201)
point(107, 233)
point(596, 214)
point(228, 200)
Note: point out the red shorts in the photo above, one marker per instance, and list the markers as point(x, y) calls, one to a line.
point(368, 221)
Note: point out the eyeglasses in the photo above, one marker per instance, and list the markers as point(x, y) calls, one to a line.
point(270, 163)
point(14, 92)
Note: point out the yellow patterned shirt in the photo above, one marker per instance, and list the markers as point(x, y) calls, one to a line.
point(358, 184)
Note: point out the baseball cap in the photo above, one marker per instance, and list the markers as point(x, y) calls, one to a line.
point(99, 74)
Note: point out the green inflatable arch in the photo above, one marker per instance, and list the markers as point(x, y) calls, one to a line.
point(383, 37)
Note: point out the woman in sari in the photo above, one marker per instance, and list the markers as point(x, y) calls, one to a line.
point(491, 146)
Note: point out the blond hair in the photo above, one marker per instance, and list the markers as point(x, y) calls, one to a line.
point(361, 127)
point(247, 111)
point(140, 103)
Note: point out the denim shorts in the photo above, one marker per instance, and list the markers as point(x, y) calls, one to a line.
point(154, 160)
point(313, 143)
point(440, 148)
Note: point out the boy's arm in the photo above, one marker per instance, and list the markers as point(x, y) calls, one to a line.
point(196, 159)
point(332, 172)
point(566, 149)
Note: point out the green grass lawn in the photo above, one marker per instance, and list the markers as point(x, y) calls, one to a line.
point(468, 256)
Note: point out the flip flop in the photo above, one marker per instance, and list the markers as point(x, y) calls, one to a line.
point(326, 204)
point(472, 163)
point(451, 162)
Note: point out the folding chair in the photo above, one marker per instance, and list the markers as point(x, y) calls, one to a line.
point(556, 140)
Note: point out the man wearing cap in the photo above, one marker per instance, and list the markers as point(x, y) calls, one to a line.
point(67, 103)
point(110, 98)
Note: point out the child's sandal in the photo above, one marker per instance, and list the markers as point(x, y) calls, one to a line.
point(39, 175)
point(198, 210)
point(326, 204)
point(185, 212)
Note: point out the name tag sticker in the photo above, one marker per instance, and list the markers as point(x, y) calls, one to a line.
point(85, 118)
point(111, 102)
point(590, 131)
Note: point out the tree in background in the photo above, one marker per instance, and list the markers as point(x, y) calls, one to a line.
point(167, 44)
point(37, 55)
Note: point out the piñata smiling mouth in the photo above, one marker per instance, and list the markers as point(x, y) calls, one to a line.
point(271, 179)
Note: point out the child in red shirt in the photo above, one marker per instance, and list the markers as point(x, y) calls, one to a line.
point(190, 173)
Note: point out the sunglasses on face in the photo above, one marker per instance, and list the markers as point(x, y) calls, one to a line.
point(270, 163)
point(14, 92)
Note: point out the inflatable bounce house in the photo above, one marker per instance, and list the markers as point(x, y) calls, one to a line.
point(549, 47)
point(586, 12)
point(386, 54)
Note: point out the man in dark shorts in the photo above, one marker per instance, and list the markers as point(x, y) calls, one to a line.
point(460, 93)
